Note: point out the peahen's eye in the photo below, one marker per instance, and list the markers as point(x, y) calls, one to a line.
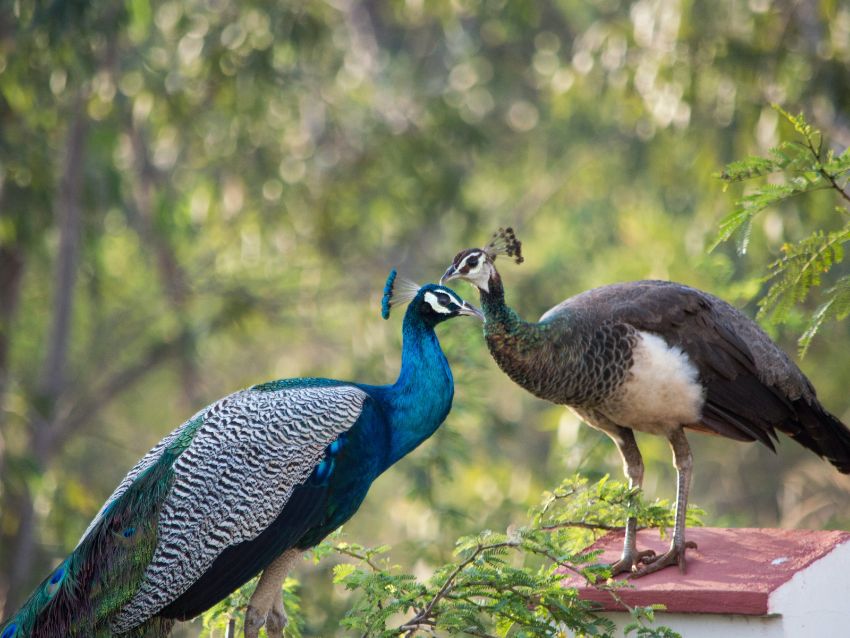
point(472, 262)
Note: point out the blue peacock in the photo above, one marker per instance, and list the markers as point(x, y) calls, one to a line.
point(244, 486)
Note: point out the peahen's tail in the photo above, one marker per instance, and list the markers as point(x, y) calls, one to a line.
point(83, 595)
point(823, 433)
point(834, 439)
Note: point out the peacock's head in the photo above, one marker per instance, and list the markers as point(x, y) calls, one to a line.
point(476, 266)
point(432, 303)
point(435, 303)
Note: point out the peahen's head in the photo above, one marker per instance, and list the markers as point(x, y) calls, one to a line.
point(476, 266)
point(431, 303)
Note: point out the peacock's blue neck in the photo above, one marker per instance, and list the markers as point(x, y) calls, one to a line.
point(420, 399)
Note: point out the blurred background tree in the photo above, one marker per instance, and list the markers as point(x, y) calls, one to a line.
point(199, 195)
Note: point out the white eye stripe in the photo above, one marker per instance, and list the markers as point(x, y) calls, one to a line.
point(474, 268)
point(431, 300)
point(455, 299)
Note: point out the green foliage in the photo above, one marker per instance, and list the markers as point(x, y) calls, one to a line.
point(504, 584)
point(222, 620)
point(499, 584)
point(250, 171)
point(643, 615)
point(801, 268)
point(793, 168)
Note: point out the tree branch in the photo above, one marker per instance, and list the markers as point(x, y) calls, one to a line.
point(86, 409)
point(829, 177)
point(156, 355)
point(426, 612)
point(361, 557)
point(583, 525)
point(68, 213)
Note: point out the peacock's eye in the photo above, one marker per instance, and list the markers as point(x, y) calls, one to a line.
point(443, 299)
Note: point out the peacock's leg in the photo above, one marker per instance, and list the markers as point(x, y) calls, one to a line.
point(266, 604)
point(633, 469)
point(683, 460)
point(276, 619)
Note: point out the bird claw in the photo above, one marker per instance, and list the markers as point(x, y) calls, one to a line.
point(630, 561)
point(675, 556)
point(254, 620)
point(276, 621)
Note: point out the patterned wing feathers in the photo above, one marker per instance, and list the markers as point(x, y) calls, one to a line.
point(184, 431)
point(235, 477)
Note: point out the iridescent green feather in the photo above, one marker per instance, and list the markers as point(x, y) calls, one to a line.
point(82, 596)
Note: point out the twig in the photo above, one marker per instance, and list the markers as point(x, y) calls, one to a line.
point(361, 557)
point(816, 153)
point(423, 616)
point(584, 525)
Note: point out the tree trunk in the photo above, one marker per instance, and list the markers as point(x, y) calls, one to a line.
point(11, 274)
point(172, 277)
point(68, 213)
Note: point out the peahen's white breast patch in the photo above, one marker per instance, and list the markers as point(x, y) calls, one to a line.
point(661, 391)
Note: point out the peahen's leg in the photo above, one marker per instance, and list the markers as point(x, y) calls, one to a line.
point(683, 460)
point(266, 604)
point(633, 469)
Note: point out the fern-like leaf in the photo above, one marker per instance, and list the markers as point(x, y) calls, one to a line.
point(801, 268)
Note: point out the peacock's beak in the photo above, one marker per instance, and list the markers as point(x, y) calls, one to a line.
point(450, 274)
point(471, 311)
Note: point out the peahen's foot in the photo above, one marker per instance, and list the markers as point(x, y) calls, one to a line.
point(631, 562)
point(675, 556)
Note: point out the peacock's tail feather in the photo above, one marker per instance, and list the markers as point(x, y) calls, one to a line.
point(82, 596)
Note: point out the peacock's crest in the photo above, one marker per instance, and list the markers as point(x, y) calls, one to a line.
point(504, 242)
point(396, 293)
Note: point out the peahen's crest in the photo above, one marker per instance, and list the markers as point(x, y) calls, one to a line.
point(397, 292)
point(504, 242)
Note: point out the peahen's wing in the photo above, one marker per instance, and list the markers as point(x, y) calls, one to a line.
point(251, 450)
point(751, 384)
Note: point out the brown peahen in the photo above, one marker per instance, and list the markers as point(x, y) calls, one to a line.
point(657, 357)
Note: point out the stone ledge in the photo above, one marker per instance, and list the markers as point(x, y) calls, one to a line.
point(733, 571)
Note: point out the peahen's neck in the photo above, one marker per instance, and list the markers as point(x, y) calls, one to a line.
point(419, 401)
point(499, 317)
point(519, 347)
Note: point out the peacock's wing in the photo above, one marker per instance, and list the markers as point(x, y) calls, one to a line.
point(247, 454)
point(215, 480)
point(185, 431)
point(751, 385)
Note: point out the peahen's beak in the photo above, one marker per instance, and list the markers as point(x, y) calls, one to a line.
point(450, 274)
point(471, 311)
